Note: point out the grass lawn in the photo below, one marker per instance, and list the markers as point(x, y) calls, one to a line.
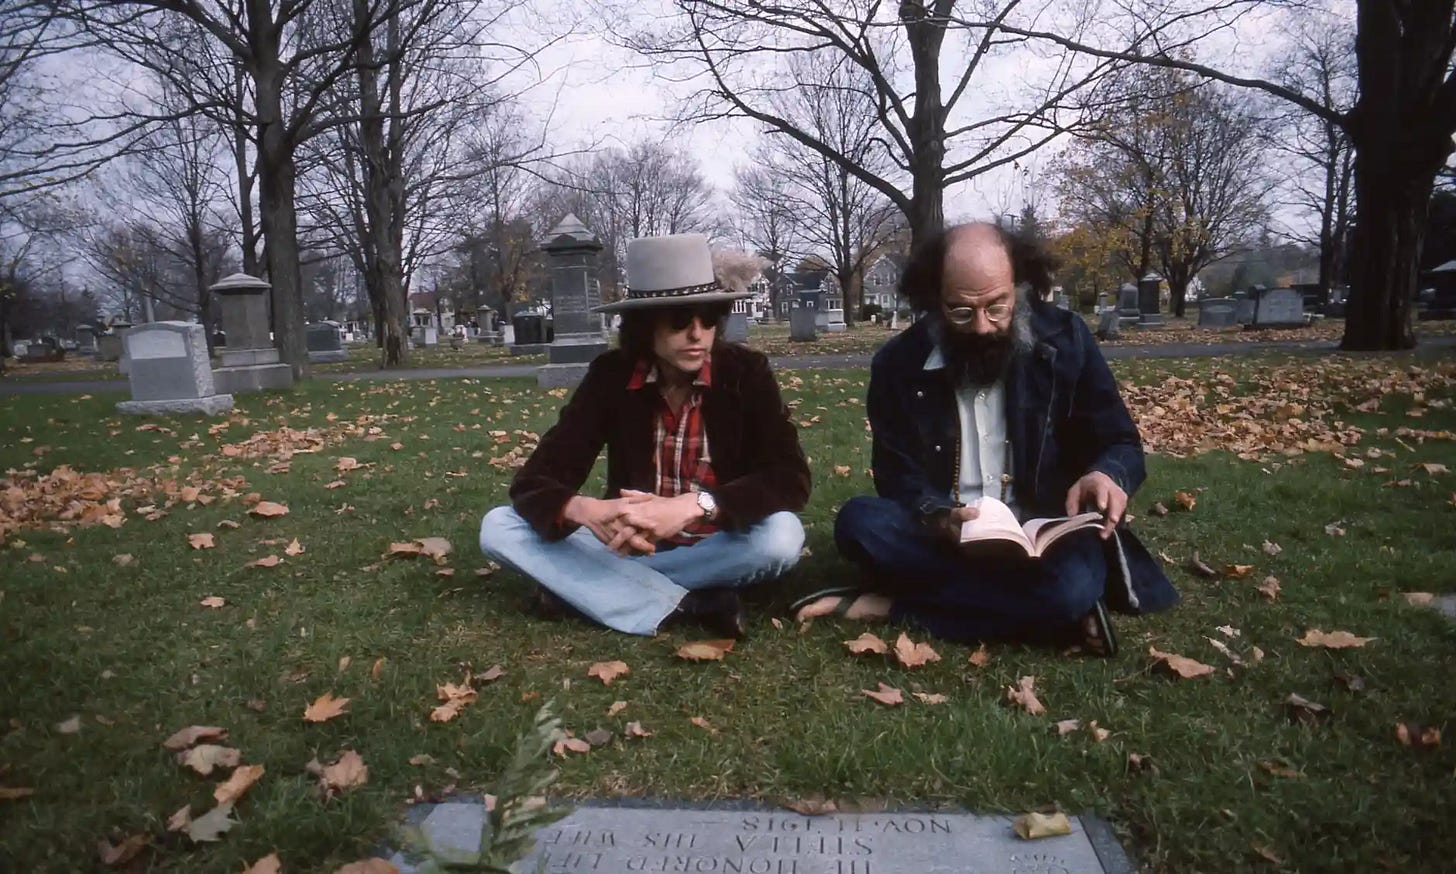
point(1229, 776)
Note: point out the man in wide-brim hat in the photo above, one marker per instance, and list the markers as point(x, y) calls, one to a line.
point(704, 468)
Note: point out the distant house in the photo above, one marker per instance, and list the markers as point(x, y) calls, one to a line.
point(882, 282)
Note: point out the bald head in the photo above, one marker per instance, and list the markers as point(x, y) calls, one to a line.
point(977, 274)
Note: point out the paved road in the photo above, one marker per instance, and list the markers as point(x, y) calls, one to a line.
point(794, 362)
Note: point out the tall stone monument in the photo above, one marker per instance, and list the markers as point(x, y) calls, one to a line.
point(571, 253)
point(170, 371)
point(249, 360)
point(1150, 292)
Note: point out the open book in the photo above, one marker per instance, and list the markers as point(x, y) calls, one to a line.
point(997, 522)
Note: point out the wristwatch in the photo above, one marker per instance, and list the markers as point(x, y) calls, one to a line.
point(708, 505)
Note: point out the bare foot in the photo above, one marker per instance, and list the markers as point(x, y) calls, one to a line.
point(864, 608)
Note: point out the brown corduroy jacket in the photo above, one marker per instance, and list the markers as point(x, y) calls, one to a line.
point(756, 457)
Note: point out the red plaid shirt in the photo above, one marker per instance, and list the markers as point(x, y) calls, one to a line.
point(680, 445)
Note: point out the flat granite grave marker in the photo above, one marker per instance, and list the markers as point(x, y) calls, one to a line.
point(745, 840)
point(1280, 308)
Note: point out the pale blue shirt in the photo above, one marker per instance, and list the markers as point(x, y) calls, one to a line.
point(983, 445)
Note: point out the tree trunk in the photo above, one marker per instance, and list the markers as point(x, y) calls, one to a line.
point(925, 33)
point(276, 185)
point(1389, 231)
point(245, 186)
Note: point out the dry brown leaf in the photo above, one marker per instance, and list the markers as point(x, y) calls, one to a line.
point(69, 726)
point(1098, 734)
point(269, 864)
point(887, 695)
point(981, 657)
point(180, 820)
point(1333, 639)
point(1272, 548)
point(265, 561)
point(324, 708)
point(841, 470)
point(123, 560)
point(194, 734)
point(1267, 854)
point(369, 866)
point(422, 759)
point(493, 673)
point(814, 805)
point(1237, 571)
point(378, 668)
point(705, 650)
point(346, 463)
point(116, 856)
point(1432, 468)
point(268, 510)
point(704, 724)
point(204, 758)
point(912, 654)
point(1270, 588)
point(410, 548)
point(1067, 726)
point(201, 540)
point(1279, 769)
point(1186, 500)
point(1412, 734)
point(930, 697)
point(1304, 710)
point(1139, 762)
point(212, 601)
point(1023, 694)
point(228, 523)
point(608, 671)
point(294, 547)
point(437, 548)
point(635, 729)
point(240, 782)
point(349, 772)
point(1181, 665)
point(867, 642)
point(1198, 566)
point(1030, 826)
point(617, 707)
point(15, 793)
point(211, 826)
point(570, 745)
point(1418, 599)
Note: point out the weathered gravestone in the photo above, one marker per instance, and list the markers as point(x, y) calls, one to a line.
point(1127, 303)
point(1150, 300)
point(803, 323)
point(1279, 308)
point(1244, 308)
point(735, 328)
point(1109, 325)
point(249, 361)
point(171, 371)
point(1216, 313)
point(571, 254)
point(752, 841)
point(326, 343)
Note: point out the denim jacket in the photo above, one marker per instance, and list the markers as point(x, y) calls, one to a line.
point(1064, 419)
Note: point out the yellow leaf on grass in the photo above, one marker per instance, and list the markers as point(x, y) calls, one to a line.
point(1333, 639)
point(1023, 694)
point(436, 548)
point(912, 654)
point(617, 707)
point(1182, 666)
point(1238, 571)
point(204, 758)
point(240, 782)
point(349, 772)
point(930, 697)
point(294, 547)
point(1030, 826)
point(324, 708)
point(193, 734)
point(867, 642)
point(704, 724)
point(268, 510)
point(705, 650)
point(212, 601)
point(608, 671)
point(981, 657)
point(1270, 588)
point(887, 695)
point(1185, 500)
point(201, 540)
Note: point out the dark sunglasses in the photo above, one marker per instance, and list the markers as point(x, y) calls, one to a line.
point(708, 315)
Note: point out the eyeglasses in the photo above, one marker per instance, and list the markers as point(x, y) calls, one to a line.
point(996, 313)
point(708, 315)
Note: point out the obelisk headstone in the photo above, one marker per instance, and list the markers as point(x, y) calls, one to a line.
point(571, 254)
point(249, 360)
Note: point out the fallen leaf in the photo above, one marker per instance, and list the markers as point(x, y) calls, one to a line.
point(204, 758)
point(180, 820)
point(212, 825)
point(268, 510)
point(437, 548)
point(123, 560)
point(493, 673)
point(15, 793)
point(1098, 734)
point(887, 695)
point(867, 642)
point(349, 772)
point(1352, 682)
point(841, 470)
point(1237, 571)
point(201, 540)
point(194, 734)
point(617, 707)
point(323, 709)
point(1333, 639)
point(1432, 468)
point(116, 856)
point(378, 668)
point(69, 726)
point(1030, 826)
point(346, 463)
point(1024, 696)
point(269, 864)
point(705, 650)
point(1067, 726)
point(981, 657)
point(608, 671)
point(240, 782)
point(1270, 588)
point(704, 724)
point(294, 547)
point(570, 745)
point(228, 523)
point(213, 601)
point(913, 655)
point(1279, 769)
point(635, 729)
point(930, 697)
point(1411, 734)
point(369, 866)
point(1272, 548)
point(1419, 599)
point(1181, 665)
point(422, 759)
point(1185, 500)
point(814, 805)
point(1138, 762)
point(1304, 710)
point(1267, 854)
point(1198, 566)
point(599, 737)
point(1334, 530)
point(1159, 509)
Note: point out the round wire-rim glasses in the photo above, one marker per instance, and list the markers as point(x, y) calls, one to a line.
point(995, 314)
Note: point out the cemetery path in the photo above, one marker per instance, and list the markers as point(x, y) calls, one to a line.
point(791, 362)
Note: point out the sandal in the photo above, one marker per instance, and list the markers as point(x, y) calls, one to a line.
point(847, 595)
point(1105, 643)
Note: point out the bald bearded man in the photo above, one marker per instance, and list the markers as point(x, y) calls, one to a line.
point(994, 392)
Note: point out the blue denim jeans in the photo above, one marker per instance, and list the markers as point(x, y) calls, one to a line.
point(634, 594)
point(964, 597)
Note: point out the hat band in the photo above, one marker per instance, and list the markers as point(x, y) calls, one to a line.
point(634, 294)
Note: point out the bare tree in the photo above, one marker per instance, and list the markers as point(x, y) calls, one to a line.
point(767, 223)
point(934, 122)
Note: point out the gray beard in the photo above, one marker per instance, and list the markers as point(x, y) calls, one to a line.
point(982, 360)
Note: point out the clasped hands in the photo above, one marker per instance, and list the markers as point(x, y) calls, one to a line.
point(633, 523)
point(1095, 489)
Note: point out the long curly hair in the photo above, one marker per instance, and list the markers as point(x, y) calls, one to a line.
point(922, 280)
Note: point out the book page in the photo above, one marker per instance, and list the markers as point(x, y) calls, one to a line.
point(994, 521)
point(1044, 532)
